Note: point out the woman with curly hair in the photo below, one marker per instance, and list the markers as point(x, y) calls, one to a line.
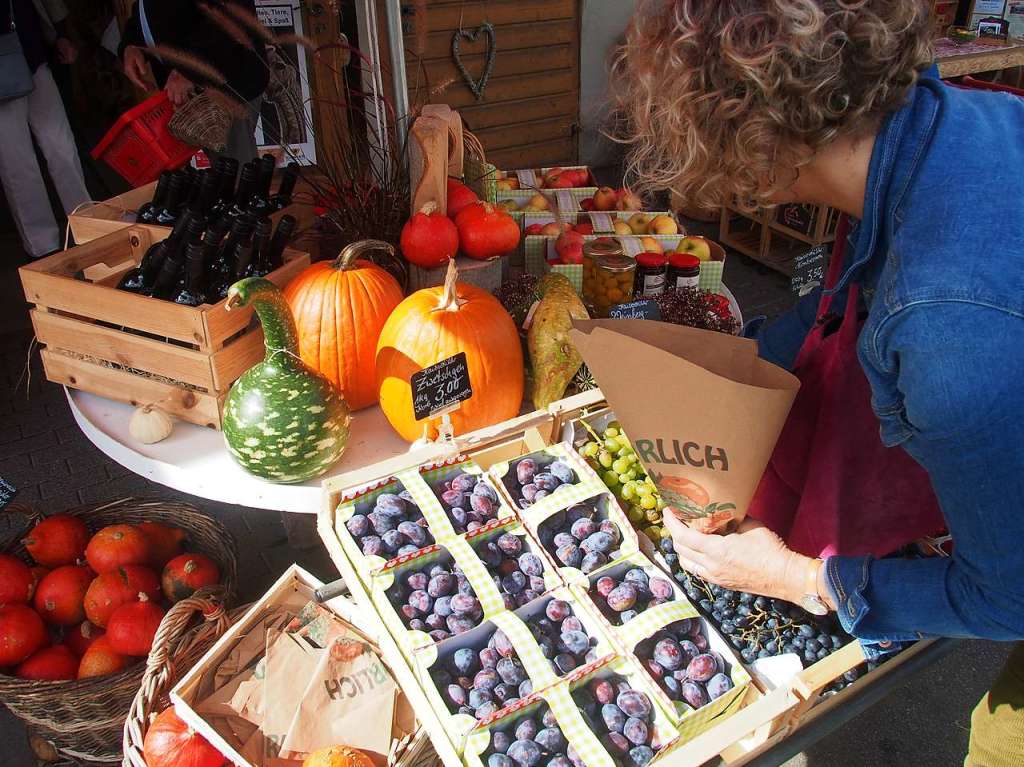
point(833, 102)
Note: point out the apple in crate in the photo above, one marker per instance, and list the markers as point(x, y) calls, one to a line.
point(554, 229)
point(651, 245)
point(569, 247)
point(640, 223)
point(605, 198)
point(621, 226)
point(628, 200)
point(586, 228)
point(664, 225)
point(587, 204)
point(695, 246)
point(535, 229)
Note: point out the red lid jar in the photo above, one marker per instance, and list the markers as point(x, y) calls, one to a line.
point(651, 275)
point(683, 271)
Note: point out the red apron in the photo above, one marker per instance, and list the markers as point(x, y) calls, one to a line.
point(832, 487)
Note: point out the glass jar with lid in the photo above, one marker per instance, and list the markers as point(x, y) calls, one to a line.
point(592, 250)
point(683, 271)
point(651, 274)
point(613, 281)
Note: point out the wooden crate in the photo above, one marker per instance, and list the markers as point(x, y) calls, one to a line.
point(766, 238)
point(760, 720)
point(134, 348)
point(99, 219)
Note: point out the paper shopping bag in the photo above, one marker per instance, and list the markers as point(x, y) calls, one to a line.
point(702, 410)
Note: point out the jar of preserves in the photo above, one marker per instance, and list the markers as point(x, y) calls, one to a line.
point(651, 275)
point(592, 250)
point(683, 271)
point(612, 283)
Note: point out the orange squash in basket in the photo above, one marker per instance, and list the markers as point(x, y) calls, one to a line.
point(170, 742)
point(338, 756)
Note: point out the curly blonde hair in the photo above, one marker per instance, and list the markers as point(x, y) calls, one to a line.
point(713, 95)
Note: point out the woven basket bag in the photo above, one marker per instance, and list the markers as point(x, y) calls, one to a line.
point(83, 719)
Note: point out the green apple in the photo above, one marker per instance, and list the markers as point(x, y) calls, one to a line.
point(695, 246)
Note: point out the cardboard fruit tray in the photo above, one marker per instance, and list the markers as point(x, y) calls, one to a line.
point(747, 721)
point(134, 348)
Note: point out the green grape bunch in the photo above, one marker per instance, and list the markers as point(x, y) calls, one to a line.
point(612, 456)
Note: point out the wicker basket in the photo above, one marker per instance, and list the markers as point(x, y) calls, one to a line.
point(83, 719)
point(201, 121)
point(177, 646)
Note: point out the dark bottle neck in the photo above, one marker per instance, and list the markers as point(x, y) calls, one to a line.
point(261, 248)
point(266, 175)
point(246, 186)
point(209, 190)
point(283, 235)
point(163, 185)
point(243, 258)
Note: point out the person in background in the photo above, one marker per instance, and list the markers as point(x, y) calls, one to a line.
point(41, 26)
point(217, 41)
point(835, 102)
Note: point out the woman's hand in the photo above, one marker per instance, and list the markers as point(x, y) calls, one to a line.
point(178, 87)
point(137, 68)
point(753, 559)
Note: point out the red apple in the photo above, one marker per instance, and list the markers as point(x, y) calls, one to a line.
point(585, 228)
point(605, 198)
point(581, 177)
point(587, 204)
point(564, 181)
point(569, 241)
point(534, 229)
point(573, 255)
point(551, 176)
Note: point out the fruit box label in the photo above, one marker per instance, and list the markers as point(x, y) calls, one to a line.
point(527, 179)
point(441, 386)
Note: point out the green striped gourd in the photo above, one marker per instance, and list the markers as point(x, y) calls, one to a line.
point(283, 421)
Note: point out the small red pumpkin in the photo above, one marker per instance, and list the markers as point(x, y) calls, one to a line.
point(164, 542)
point(116, 546)
point(184, 575)
point(486, 232)
point(57, 540)
point(460, 196)
point(132, 627)
point(16, 581)
point(170, 742)
point(429, 238)
point(21, 633)
point(81, 637)
point(52, 664)
point(111, 590)
point(100, 659)
point(60, 595)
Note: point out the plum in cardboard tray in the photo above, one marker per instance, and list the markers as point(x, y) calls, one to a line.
point(703, 417)
point(520, 572)
point(552, 475)
point(468, 498)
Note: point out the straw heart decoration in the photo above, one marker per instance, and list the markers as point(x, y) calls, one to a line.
point(490, 52)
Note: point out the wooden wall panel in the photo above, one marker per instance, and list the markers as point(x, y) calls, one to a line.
point(530, 109)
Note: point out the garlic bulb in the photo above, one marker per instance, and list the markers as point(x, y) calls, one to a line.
point(150, 424)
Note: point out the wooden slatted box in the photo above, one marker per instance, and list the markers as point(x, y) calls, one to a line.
point(134, 348)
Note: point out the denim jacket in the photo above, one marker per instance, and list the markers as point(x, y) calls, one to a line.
point(940, 253)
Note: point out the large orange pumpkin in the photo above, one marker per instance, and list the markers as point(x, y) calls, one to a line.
point(434, 324)
point(170, 742)
point(340, 307)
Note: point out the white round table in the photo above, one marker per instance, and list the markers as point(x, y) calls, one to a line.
point(194, 459)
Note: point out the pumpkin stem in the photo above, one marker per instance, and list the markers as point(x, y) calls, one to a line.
point(429, 209)
point(279, 331)
point(450, 301)
point(346, 258)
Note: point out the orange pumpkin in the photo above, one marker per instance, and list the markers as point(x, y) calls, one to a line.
point(340, 307)
point(60, 595)
point(338, 756)
point(51, 664)
point(434, 324)
point(100, 659)
point(169, 742)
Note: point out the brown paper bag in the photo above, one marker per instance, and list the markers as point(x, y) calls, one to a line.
point(350, 699)
point(702, 410)
point(291, 664)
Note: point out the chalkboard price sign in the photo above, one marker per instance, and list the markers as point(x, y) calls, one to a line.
point(809, 270)
point(7, 492)
point(437, 388)
point(636, 310)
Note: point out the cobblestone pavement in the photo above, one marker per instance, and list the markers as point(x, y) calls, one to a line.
point(45, 455)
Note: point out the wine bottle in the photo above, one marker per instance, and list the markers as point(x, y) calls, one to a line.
point(260, 202)
point(260, 264)
point(147, 212)
point(227, 168)
point(212, 239)
point(190, 291)
point(283, 197)
point(209, 190)
point(243, 259)
point(142, 278)
point(221, 273)
point(191, 184)
point(247, 180)
point(167, 280)
point(283, 235)
point(177, 192)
